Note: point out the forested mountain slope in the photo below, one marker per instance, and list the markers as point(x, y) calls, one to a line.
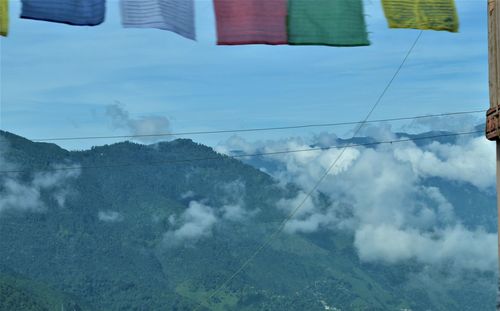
point(19, 293)
point(139, 227)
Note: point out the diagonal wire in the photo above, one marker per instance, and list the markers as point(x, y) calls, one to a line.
point(318, 183)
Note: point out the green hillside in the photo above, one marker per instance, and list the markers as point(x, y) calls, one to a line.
point(20, 294)
point(124, 264)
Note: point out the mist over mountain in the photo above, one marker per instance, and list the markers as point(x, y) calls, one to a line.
point(153, 227)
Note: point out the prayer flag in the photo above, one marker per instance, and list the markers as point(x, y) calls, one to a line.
point(4, 17)
point(251, 21)
point(317, 22)
point(327, 22)
point(172, 15)
point(73, 12)
point(422, 14)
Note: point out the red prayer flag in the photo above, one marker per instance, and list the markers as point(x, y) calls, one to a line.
point(251, 21)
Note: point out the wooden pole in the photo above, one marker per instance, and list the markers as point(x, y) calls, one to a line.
point(494, 78)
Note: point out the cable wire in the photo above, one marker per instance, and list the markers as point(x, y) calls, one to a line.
point(261, 129)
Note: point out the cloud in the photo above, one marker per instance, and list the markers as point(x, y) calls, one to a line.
point(197, 221)
point(233, 207)
point(382, 196)
point(309, 218)
point(18, 194)
point(457, 245)
point(236, 212)
point(187, 195)
point(146, 125)
point(27, 195)
point(109, 216)
point(471, 161)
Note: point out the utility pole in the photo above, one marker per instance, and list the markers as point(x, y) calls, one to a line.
point(493, 114)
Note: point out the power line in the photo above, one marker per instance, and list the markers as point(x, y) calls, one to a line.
point(69, 168)
point(261, 129)
point(320, 180)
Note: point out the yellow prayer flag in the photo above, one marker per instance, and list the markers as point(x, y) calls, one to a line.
point(4, 17)
point(421, 14)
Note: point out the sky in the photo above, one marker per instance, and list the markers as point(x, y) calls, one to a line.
point(59, 80)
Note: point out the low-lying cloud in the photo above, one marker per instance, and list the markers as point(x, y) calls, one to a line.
point(458, 162)
point(455, 244)
point(196, 222)
point(199, 219)
point(27, 195)
point(109, 216)
point(381, 195)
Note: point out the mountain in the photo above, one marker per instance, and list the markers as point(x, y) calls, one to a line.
point(102, 231)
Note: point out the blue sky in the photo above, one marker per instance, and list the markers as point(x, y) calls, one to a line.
point(57, 80)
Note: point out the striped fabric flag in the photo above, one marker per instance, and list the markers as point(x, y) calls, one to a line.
point(172, 15)
point(4, 17)
point(318, 22)
point(73, 12)
point(423, 14)
point(251, 21)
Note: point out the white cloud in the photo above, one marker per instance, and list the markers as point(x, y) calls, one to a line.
point(20, 197)
point(197, 221)
point(471, 161)
point(27, 195)
point(463, 248)
point(109, 216)
point(233, 208)
point(380, 195)
point(18, 194)
point(236, 212)
point(146, 125)
point(309, 218)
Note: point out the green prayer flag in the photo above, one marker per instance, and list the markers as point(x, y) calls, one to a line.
point(327, 22)
point(421, 14)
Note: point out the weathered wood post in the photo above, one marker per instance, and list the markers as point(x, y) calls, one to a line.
point(493, 114)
